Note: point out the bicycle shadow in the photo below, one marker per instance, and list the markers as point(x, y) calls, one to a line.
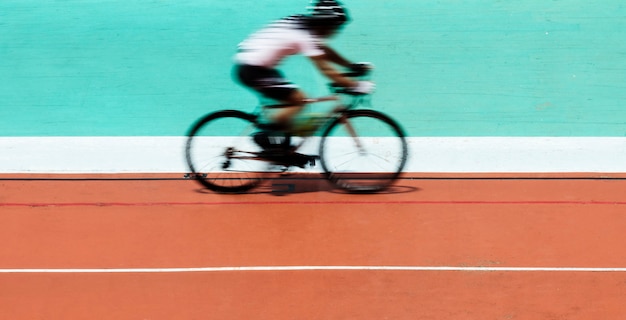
point(300, 183)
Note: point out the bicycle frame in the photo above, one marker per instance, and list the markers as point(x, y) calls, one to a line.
point(338, 92)
point(335, 112)
point(364, 165)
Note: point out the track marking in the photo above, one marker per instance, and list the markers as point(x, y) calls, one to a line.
point(315, 268)
point(152, 204)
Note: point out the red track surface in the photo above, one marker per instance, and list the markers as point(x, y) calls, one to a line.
point(85, 224)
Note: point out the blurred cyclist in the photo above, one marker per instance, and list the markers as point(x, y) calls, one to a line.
point(263, 51)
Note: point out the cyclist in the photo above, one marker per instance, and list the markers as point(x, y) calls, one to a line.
point(261, 53)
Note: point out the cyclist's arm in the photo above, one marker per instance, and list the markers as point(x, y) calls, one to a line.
point(323, 65)
point(335, 57)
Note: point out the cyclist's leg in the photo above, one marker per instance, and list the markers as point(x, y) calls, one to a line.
point(275, 137)
point(272, 84)
point(294, 103)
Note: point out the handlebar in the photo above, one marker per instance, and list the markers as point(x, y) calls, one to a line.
point(343, 90)
point(358, 72)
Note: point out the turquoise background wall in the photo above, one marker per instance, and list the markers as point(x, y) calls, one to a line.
point(444, 68)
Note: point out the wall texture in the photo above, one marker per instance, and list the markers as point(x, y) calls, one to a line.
point(444, 68)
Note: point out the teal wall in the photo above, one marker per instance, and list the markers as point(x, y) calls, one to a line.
point(444, 68)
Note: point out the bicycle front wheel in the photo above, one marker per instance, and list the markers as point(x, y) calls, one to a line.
point(220, 153)
point(363, 151)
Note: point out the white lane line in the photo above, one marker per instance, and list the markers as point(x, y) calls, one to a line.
point(316, 268)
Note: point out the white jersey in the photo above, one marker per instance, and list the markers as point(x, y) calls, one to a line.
point(270, 45)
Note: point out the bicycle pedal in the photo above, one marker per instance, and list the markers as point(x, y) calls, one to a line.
point(288, 158)
point(280, 168)
point(302, 160)
point(312, 160)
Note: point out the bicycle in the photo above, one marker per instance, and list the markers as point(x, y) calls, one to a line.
point(360, 150)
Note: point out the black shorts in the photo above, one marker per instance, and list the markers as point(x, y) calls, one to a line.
point(269, 82)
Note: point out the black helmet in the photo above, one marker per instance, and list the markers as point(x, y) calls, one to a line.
point(328, 14)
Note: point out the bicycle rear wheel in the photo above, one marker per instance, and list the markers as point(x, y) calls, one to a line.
point(363, 151)
point(220, 153)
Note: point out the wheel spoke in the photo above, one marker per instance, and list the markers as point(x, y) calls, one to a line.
point(221, 155)
point(363, 163)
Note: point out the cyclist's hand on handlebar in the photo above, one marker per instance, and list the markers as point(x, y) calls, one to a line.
point(363, 87)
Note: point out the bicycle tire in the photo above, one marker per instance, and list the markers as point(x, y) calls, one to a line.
point(365, 163)
point(211, 146)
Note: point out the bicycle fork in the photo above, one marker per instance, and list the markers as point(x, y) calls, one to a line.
point(344, 120)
